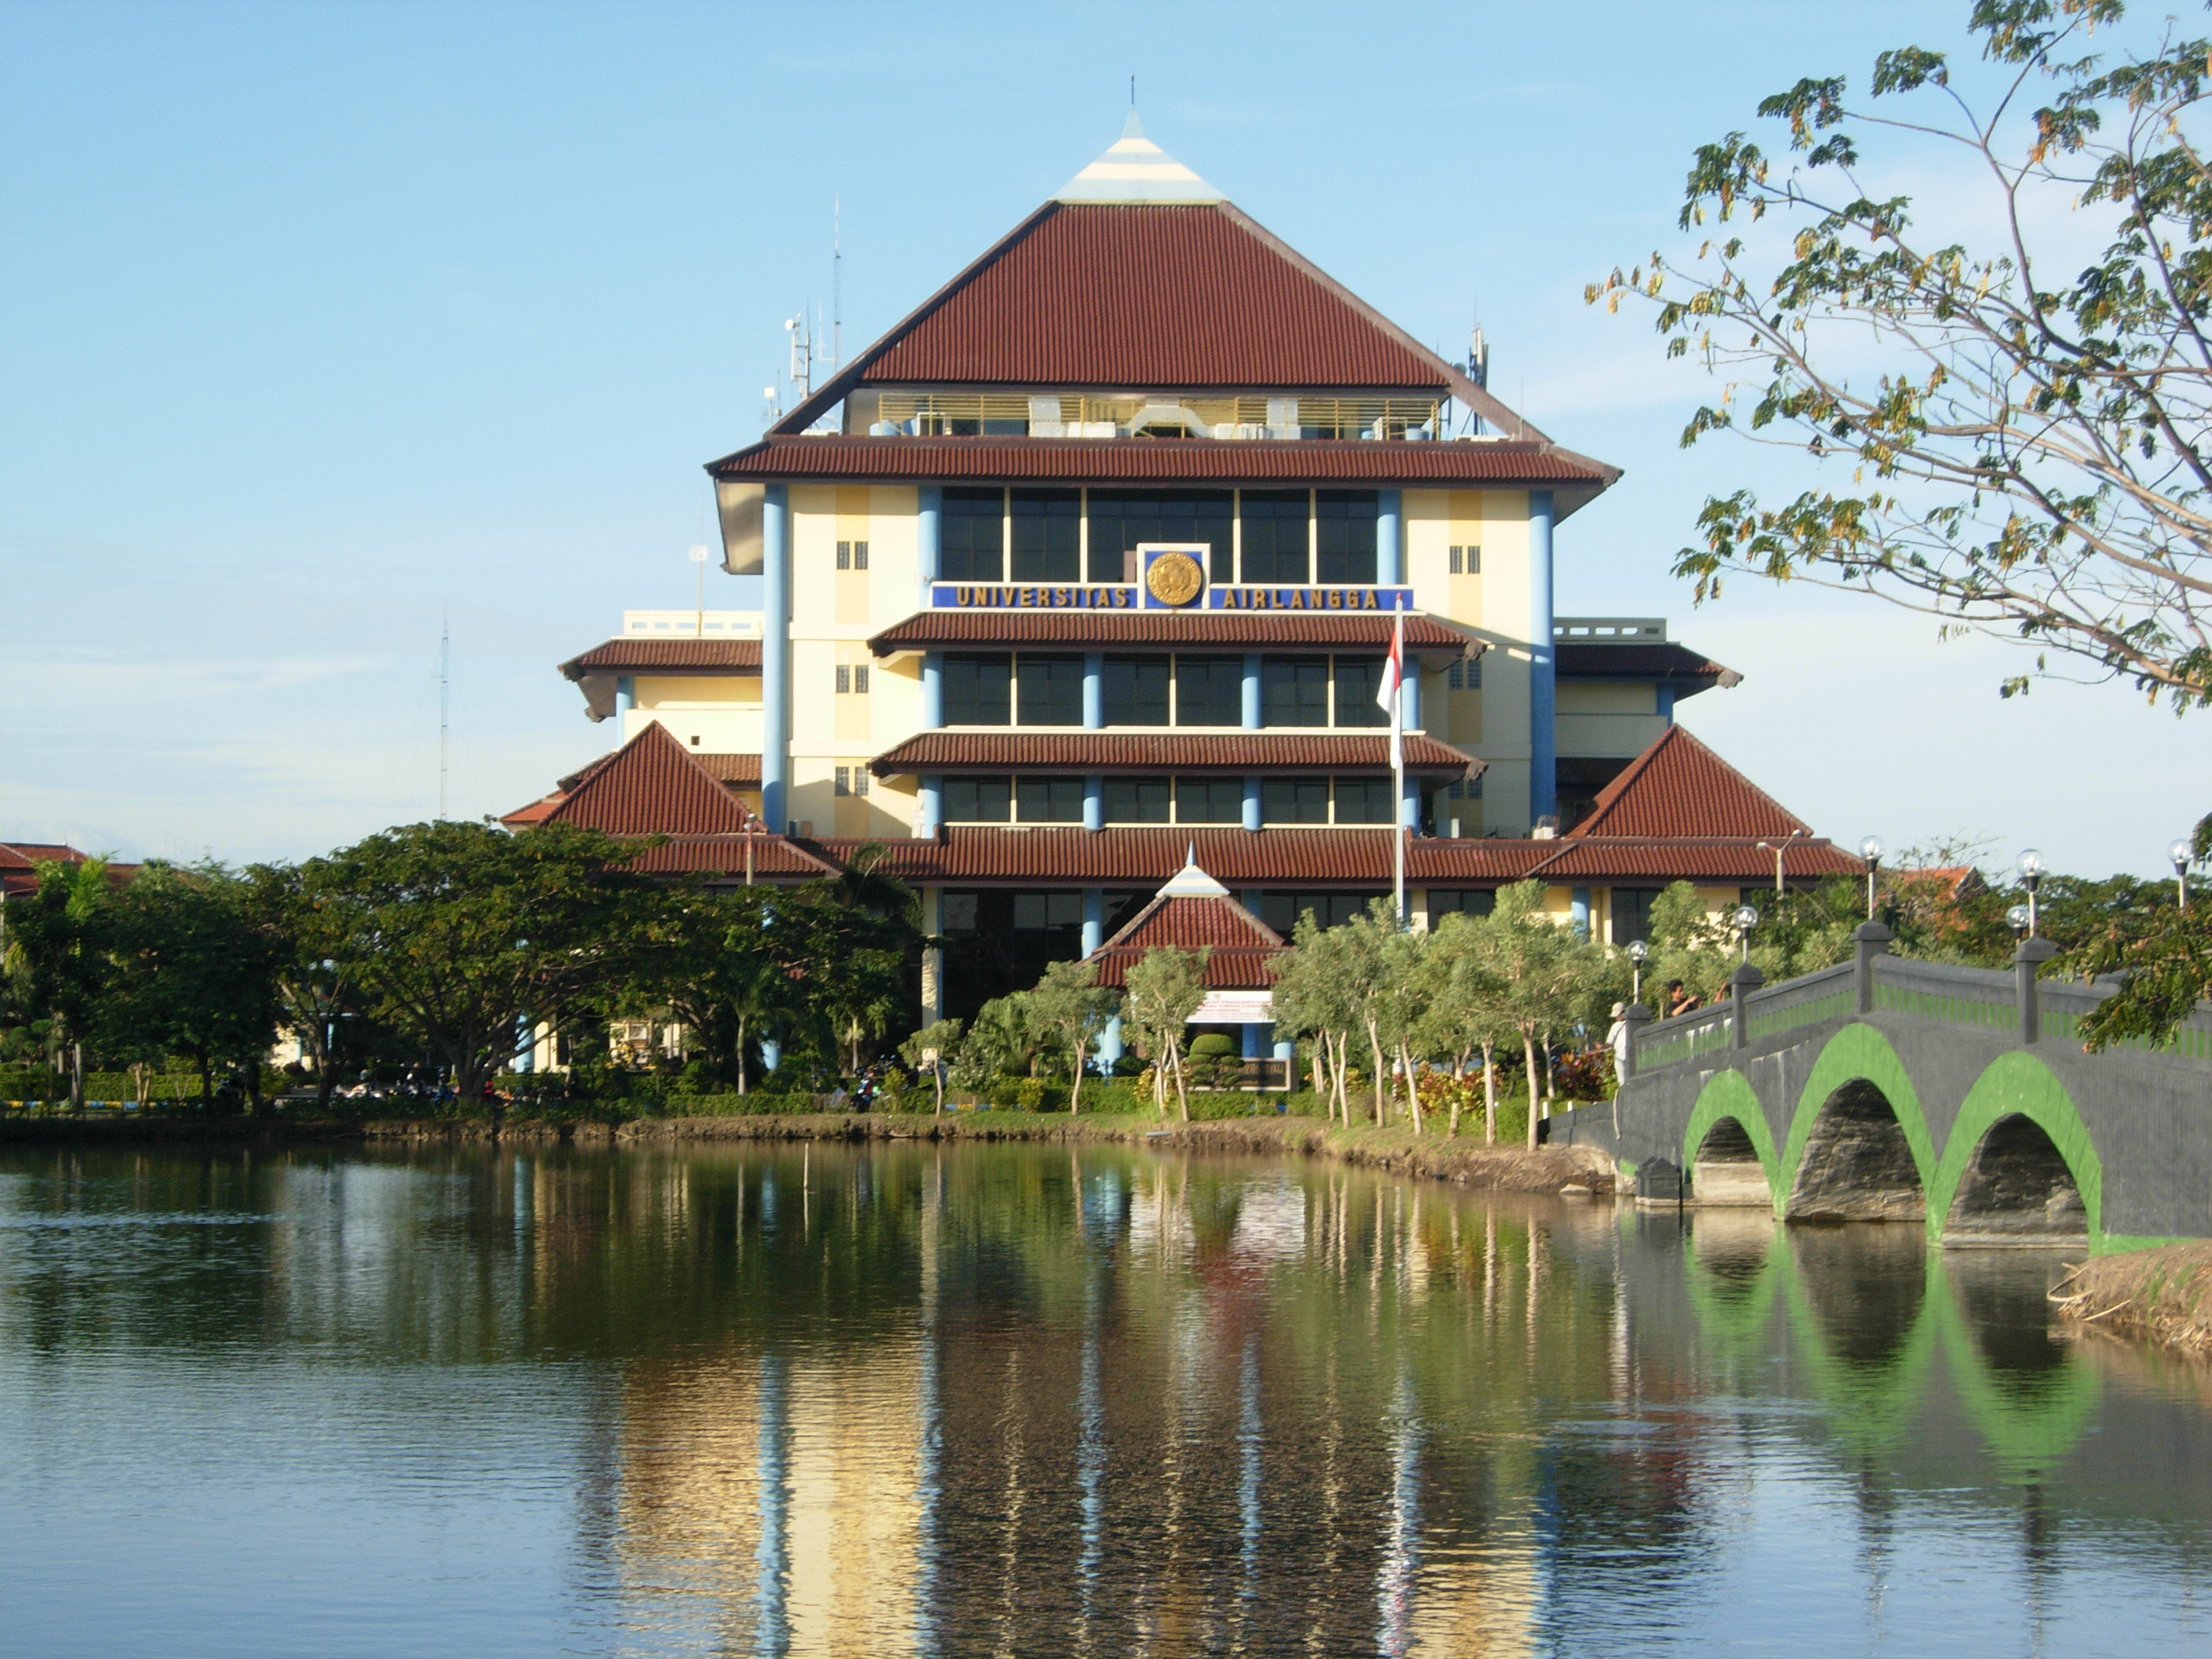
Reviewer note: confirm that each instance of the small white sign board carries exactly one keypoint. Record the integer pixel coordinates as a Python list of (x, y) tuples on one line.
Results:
[(1236, 1008)]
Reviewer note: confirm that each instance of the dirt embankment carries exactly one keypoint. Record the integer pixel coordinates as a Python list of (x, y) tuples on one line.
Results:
[(2164, 1294)]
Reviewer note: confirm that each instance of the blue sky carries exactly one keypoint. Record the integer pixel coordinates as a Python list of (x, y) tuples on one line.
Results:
[(327, 322)]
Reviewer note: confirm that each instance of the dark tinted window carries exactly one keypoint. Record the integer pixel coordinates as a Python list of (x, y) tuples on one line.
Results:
[(978, 688), (970, 535), (1363, 801), (1357, 680), (1469, 901), (1136, 800), (1134, 690), (1274, 535), (1051, 691), (1049, 800), (1048, 530), (1034, 912), (1209, 690), (1120, 519), (978, 800), (1344, 535), (1294, 801), (1294, 691), (1631, 913), (1209, 800), (1280, 910)]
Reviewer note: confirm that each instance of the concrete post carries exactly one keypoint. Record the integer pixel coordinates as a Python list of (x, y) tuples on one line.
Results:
[(1252, 802), (1093, 801), (1094, 919), (1251, 691), (1871, 939), (2033, 954), (1635, 1017), (1742, 983), (1094, 690)]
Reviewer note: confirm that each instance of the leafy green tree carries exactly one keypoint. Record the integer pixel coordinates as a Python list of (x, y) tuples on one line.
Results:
[(1067, 1002), (930, 1049), (1544, 968), (1165, 987), (56, 959), (1311, 1001), (462, 934), (2025, 430), (1465, 965)]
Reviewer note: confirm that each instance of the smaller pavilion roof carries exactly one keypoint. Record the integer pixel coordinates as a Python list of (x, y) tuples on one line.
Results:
[(625, 656), (1678, 787), (652, 785), (1193, 912)]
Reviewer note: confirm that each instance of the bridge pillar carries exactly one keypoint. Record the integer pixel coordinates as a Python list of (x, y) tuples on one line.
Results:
[(1635, 1017), (2032, 954), (1742, 983), (1871, 940)]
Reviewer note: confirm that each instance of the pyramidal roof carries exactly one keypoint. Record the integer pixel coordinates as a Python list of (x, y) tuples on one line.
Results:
[(1193, 911), (1135, 169), (652, 785), (1678, 787)]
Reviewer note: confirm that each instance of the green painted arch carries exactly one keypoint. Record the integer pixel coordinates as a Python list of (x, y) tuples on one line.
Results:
[(1736, 1327), (1854, 1055), (2019, 1084), (1866, 1406), (2025, 1435), (1729, 1094)]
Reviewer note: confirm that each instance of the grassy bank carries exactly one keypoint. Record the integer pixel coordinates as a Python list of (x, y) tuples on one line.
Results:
[(2164, 1294)]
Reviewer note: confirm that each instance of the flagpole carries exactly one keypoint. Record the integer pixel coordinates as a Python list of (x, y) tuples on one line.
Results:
[(1397, 762)]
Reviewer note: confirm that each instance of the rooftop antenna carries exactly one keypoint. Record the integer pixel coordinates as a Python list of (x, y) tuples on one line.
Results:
[(445, 705), (802, 353), (1133, 92), (837, 281)]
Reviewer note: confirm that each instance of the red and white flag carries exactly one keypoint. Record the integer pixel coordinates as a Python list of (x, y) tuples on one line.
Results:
[(1386, 695)]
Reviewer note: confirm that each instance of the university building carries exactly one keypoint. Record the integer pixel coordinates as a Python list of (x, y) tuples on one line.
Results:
[(1089, 567)]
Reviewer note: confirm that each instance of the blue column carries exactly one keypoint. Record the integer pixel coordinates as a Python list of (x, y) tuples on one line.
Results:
[(1094, 802), (1667, 703), (929, 804), (1410, 689), (1094, 919), (771, 1053), (1543, 703), (1409, 810), (1251, 691), (1109, 1042), (928, 519), (625, 694), (1389, 540), (932, 690), (1252, 1048), (1252, 819), (1094, 690), (776, 656), (1579, 898)]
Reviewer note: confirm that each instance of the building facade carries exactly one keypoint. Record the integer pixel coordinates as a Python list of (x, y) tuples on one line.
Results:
[(1092, 563)]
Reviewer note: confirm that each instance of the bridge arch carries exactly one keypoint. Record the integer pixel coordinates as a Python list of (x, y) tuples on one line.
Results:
[(1726, 1139), (1859, 1148), (2020, 1162)]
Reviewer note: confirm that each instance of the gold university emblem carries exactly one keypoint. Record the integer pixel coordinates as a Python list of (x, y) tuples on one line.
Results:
[(1174, 578)]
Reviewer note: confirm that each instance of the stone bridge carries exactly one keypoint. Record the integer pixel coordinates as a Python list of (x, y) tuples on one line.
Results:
[(1892, 1090)]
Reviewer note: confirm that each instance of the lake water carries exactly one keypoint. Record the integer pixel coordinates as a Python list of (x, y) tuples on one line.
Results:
[(1024, 1401)]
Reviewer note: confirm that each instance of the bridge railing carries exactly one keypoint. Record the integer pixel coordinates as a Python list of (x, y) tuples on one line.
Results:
[(2061, 1005), (1987, 997)]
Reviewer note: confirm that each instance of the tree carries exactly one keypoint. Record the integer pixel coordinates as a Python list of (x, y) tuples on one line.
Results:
[(1467, 1004), (465, 934), (56, 959), (1067, 1002), (2025, 429), (1543, 967), (311, 998), (1165, 987), (714, 960), (929, 1050), (1310, 1001)]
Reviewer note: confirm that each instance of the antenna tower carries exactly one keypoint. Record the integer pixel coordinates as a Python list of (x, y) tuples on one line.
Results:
[(445, 706), (837, 281)]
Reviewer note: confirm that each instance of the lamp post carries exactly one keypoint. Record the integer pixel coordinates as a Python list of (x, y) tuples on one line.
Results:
[(1637, 949), (1871, 850), (1746, 919), (2031, 866), (2179, 855), (2016, 919)]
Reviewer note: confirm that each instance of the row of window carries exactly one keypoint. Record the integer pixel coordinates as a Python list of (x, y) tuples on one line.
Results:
[(1003, 689), (1293, 537), (1167, 800), (962, 912)]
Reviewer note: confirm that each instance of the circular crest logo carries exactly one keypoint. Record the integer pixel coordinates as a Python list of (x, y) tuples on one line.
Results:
[(1174, 578)]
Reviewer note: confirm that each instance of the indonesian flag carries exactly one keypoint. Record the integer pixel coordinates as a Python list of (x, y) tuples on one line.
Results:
[(1386, 695)]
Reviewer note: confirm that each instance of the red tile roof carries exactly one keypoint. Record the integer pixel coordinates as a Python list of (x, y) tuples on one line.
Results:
[(1475, 463), (1312, 630), (1678, 787), (1243, 947), (1172, 297), (1119, 752), (537, 812), (1599, 858), (724, 855), (651, 786), (625, 656), (1640, 662)]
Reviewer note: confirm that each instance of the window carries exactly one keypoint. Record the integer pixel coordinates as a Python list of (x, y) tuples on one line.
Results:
[(1345, 534), (1035, 912), (1471, 790), (1467, 562), (955, 912), (1631, 913), (1461, 900), (1209, 690), (1294, 801), (1049, 800), (1281, 911), (852, 555), (853, 679), (1209, 800), (1050, 690), (978, 800), (1294, 691), (851, 780), (1357, 680), (1134, 690), (978, 688), (1364, 800), (1120, 519), (1137, 800), (971, 535), (1275, 536), (1465, 676), (1047, 535)]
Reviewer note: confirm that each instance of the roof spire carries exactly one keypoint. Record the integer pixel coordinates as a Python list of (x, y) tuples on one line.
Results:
[(1135, 169), (1191, 881)]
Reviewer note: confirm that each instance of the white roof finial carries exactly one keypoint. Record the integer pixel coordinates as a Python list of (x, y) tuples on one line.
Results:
[(1191, 881), (1135, 169)]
